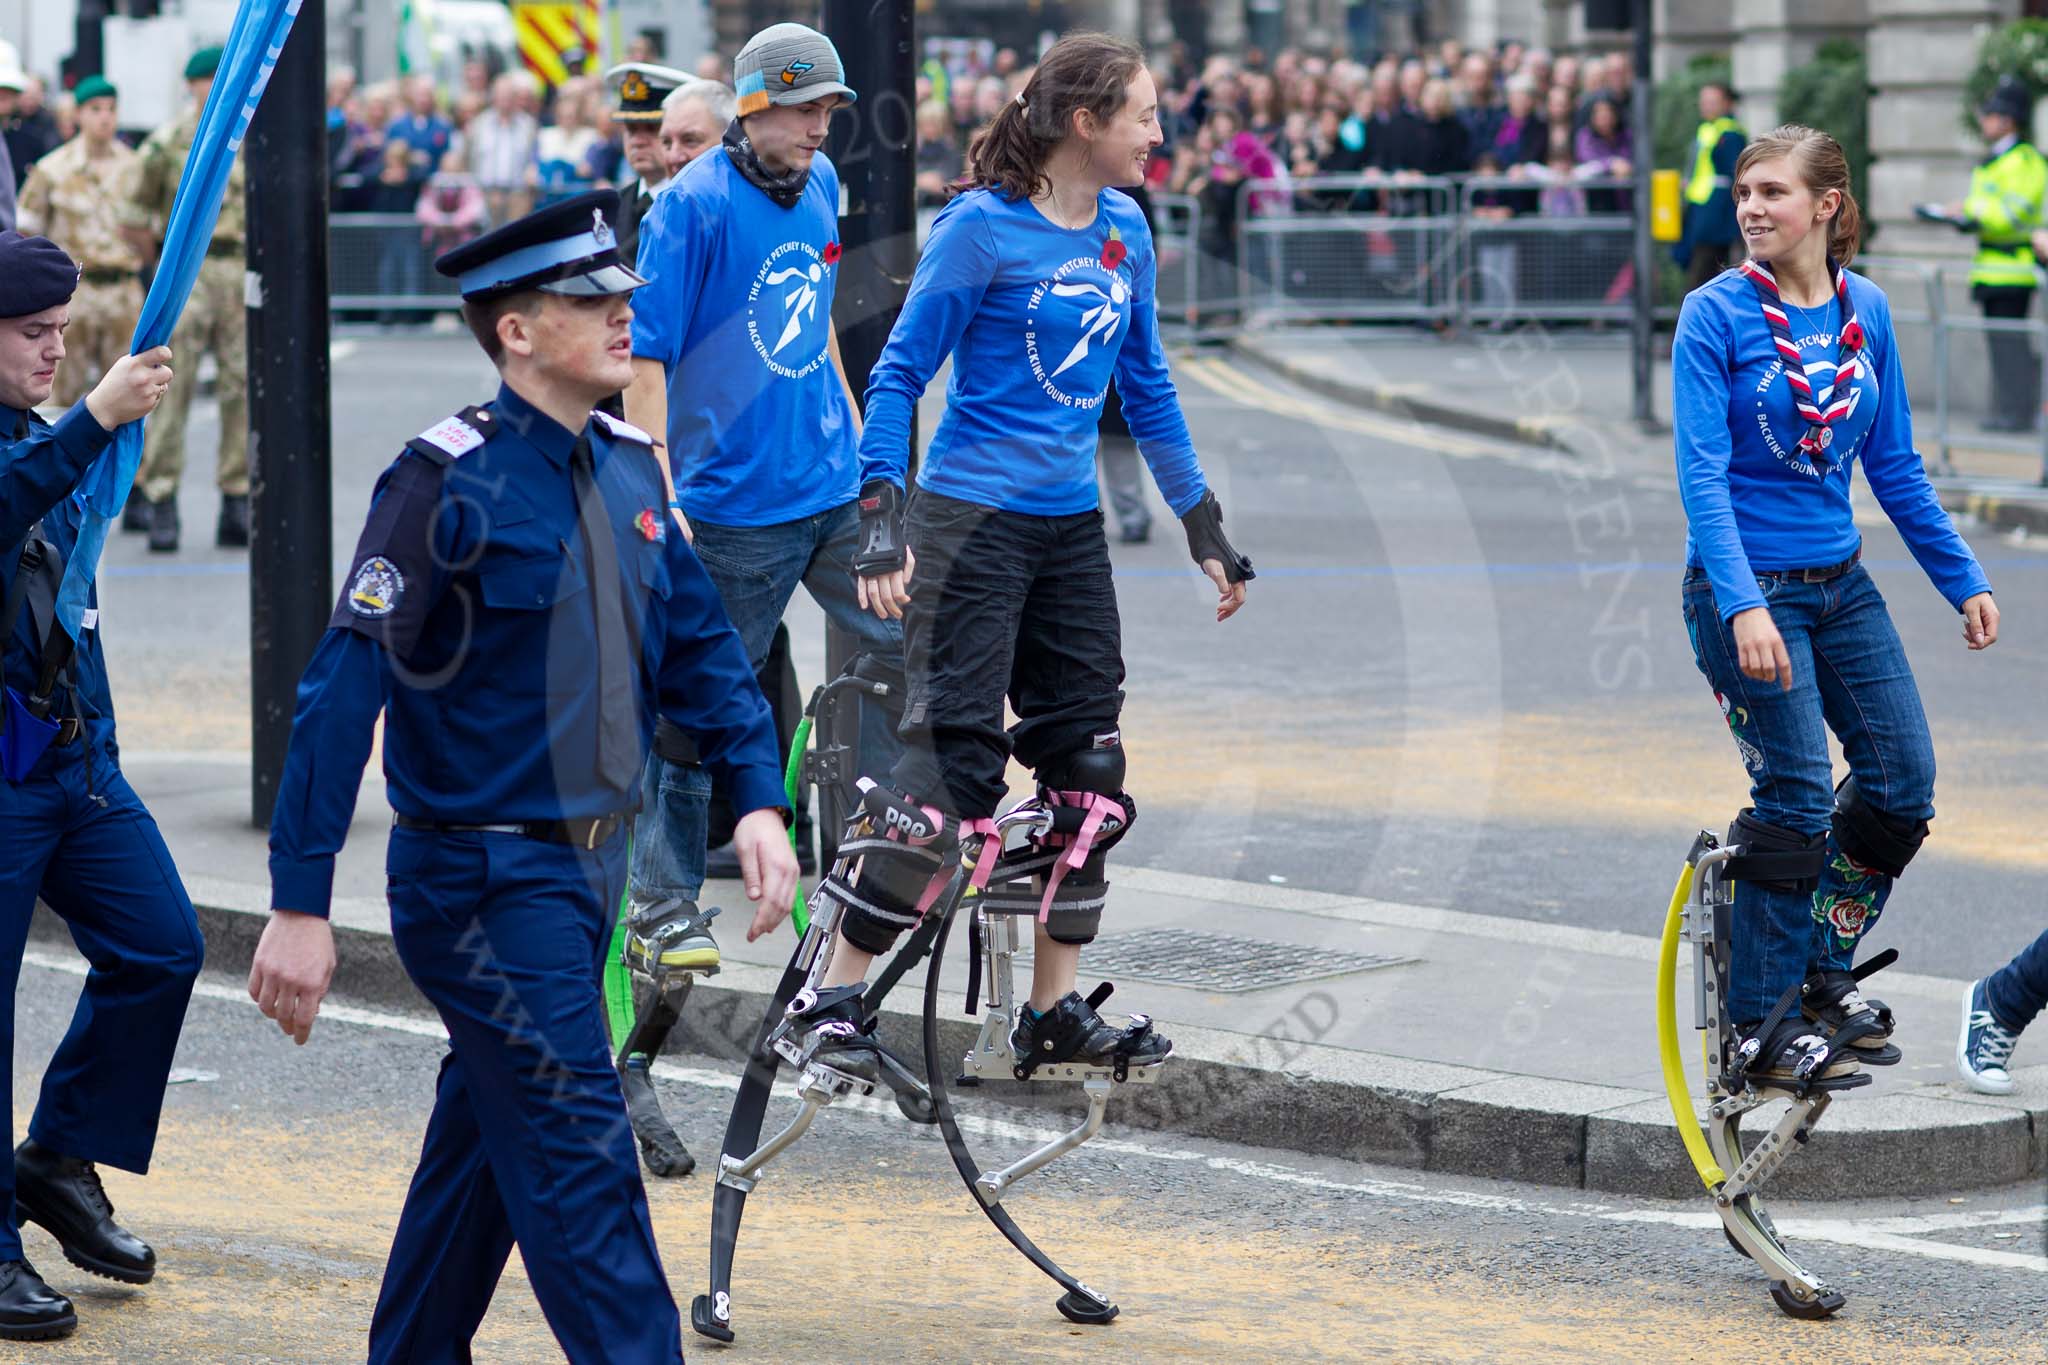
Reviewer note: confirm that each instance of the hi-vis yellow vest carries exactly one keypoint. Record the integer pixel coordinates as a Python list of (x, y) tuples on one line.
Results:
[(2005, 203), (1704, 182)]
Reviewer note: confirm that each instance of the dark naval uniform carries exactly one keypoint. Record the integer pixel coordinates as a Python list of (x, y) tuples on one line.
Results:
[(483, 616), (638, 89), (78, 836)]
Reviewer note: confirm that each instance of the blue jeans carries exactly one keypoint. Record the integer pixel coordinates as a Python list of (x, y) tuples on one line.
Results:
[(756, 570), (2018, 991), (1849, 675)]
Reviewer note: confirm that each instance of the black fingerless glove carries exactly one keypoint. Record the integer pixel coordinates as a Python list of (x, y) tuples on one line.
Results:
[(1204, 524), (881, 530)]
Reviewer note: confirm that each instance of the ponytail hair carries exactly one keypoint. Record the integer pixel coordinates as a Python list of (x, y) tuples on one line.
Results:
[(1091, 71), (1818, 161)]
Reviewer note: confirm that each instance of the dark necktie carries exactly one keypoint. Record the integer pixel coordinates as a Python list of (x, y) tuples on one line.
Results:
[(618, 746)]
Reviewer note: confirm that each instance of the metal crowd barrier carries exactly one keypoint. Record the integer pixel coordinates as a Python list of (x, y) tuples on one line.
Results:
[(1945, 345), (1556, 252), (1455, 250), (383, 262), (1346, 248), (1177, 244)]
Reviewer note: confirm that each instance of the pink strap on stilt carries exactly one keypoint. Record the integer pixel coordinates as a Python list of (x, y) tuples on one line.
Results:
[(1099, 808)]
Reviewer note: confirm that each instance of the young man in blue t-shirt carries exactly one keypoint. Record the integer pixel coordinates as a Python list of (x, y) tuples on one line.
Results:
[(735, 359)]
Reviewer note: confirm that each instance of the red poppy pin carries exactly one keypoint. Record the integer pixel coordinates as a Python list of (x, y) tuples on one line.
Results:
[(831, 253), (1113, 251), (649, 522)]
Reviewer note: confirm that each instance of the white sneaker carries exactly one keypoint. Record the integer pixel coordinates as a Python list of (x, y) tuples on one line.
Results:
[(1984, 1046)]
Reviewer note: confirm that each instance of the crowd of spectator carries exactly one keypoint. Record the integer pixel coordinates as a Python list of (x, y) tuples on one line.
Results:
[(1516, 112), (1552, 128)]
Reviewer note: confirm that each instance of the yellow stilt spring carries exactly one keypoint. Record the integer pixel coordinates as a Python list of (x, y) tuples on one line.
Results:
[(1676, 1087)]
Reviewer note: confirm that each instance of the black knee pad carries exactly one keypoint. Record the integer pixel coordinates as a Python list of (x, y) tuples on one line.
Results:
[(882, 899), (1874, 838), (1776, 857), (1098, 770)]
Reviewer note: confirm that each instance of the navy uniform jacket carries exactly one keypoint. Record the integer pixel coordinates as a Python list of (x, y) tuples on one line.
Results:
[(40, 465), (467, 619)]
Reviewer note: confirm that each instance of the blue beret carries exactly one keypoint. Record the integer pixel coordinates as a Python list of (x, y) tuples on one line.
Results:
[(34, 274)]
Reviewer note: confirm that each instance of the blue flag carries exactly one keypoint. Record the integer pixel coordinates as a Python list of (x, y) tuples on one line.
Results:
[(253, 45)]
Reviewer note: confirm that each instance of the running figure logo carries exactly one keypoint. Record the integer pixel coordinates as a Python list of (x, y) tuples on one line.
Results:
[(801, 303), (1099, 321), (789, 308)]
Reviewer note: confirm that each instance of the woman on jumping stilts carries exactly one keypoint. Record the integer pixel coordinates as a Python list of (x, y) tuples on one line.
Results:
[(1785, 372), (1038, 280)]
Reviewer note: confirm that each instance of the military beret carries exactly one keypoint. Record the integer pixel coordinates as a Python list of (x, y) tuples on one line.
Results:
[(204, 63), (565, 248), (92, 88), (34, 274)]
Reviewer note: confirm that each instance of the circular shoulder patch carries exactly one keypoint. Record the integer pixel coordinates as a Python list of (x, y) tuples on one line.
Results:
[(376, 587)]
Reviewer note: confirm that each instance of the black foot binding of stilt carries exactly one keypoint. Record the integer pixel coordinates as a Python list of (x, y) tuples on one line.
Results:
[(1085, 1309), (707, 1322)]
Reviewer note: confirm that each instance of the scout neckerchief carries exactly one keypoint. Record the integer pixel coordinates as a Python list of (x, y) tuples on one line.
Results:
[(1819, 409), (785, 189)]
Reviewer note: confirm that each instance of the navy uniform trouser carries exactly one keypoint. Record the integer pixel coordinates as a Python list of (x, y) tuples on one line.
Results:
[(88, 847), (529, 1140)]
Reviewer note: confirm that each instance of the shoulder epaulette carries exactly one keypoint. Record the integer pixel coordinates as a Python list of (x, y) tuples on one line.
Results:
[(625, 431), (456, 437)]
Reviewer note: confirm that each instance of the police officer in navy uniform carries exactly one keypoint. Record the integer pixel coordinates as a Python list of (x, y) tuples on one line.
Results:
[(76, 834), (519, 607)]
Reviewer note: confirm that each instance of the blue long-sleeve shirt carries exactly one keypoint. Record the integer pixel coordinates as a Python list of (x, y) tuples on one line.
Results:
[(467, 620), (1037, 318), (40, 465), (1753, 500)]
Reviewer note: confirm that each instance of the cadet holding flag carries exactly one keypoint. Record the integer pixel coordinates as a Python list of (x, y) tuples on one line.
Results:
[(519, 609), (77, 835)]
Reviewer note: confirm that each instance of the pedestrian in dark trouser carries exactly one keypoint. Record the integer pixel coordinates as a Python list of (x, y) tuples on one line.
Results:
[(519, 610), (76, 835), (1995, 1012)]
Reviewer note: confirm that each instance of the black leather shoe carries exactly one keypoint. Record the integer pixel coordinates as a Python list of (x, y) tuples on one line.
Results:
[(232, 531), (63, 1196), (135, 512), (163, 525), (29, 1309)]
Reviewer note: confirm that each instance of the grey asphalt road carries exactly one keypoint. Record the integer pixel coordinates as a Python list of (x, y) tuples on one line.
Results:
[(1462, 680), (280, 1171)]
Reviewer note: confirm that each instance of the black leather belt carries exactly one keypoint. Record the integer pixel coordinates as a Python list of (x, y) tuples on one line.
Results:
[(106, 274), (217, 250), (584, 833), (1832, 571)]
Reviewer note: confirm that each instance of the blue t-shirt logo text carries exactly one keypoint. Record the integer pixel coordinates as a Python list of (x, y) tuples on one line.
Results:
[(782, 308), (1092, 308)]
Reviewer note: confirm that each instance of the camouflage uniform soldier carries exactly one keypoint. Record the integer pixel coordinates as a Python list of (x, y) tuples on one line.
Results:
[(75, 196), (213, 321)]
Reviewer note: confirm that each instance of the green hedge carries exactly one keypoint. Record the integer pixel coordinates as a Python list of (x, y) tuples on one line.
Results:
[(1678, 109), (1832, 93), (2019, 49)]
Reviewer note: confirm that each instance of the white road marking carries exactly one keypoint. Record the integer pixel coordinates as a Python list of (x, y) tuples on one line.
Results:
[(1878, 1234)]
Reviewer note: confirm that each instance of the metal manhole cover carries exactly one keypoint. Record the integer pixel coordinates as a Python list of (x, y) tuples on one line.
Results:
[(1223, 962)]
